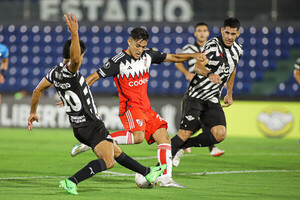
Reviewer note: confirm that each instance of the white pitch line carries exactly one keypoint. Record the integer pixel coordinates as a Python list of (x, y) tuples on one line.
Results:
[(230, 154), (110, 174)]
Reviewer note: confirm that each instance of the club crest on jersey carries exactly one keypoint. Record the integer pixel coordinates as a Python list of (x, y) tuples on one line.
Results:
[(139, 122), (190, 117)]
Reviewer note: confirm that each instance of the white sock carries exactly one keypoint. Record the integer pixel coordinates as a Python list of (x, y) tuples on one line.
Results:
[(123, 137), (164, 154)]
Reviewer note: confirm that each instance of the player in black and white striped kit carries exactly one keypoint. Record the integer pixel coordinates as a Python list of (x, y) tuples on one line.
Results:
[(201, 34), (88, 128), (203, 96)]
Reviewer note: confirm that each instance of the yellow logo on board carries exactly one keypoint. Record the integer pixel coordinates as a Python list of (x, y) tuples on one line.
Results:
[(275, 122)]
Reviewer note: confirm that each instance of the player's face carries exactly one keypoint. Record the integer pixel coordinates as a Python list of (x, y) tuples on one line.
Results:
[(201, 33), (136, 47), (229, 35)]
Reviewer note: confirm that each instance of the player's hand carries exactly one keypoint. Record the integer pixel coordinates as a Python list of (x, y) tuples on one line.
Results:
[(60, 104), (214, 78), (71, 23), (201, 57), (228, 100), (189, 76), (32, 117), (2, 79)]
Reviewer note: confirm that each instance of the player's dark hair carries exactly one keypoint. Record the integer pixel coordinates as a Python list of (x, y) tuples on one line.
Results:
[(67, 45), (201, 24), (139, 34), (232, 23)]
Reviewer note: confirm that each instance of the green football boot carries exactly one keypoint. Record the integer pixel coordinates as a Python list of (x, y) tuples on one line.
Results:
[(69, 186), (155, 172)]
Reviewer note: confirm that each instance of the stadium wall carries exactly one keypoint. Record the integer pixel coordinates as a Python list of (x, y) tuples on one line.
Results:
[(244, 118)]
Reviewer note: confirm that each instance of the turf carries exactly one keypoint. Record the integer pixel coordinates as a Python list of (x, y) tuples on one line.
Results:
[(46, 152)]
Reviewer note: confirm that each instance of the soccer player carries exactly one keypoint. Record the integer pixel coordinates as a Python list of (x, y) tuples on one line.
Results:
[(201, 33), (203, 96), (79, 105), (297, 70), (4, 63), (130, 70)]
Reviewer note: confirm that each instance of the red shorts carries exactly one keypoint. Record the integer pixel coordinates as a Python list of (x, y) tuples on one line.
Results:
[(134, 119)]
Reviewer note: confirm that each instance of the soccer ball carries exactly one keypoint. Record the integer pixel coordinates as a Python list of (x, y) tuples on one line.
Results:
[(141, 181)]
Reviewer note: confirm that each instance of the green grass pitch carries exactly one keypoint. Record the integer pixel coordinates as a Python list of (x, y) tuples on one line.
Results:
[(33, 163)]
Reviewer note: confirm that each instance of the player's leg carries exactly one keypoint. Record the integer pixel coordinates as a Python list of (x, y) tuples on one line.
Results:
[(215, 128), (164, 155), (189, 123), (127, 137), (122, 137), (134, 124), (94, 136), (104, 152), (126, 161)]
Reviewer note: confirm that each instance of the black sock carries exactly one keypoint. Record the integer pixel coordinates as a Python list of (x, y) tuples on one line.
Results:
[(202, 140), (88, 171), (211, 147), (176, 143), (130, 163)]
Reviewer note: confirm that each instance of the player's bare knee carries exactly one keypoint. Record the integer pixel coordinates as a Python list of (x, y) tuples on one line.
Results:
[(138, 136), (184, 134), (117, 150), (219, 133), (109, 162), (138, 139)]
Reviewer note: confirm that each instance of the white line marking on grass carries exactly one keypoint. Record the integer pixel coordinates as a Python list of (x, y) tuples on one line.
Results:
[(229, 154), (239, 172), (110, 174)]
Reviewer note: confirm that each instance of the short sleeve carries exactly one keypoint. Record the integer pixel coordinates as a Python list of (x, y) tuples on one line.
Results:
[(50, 75), (157, 56), (297, 64), (109, 69)]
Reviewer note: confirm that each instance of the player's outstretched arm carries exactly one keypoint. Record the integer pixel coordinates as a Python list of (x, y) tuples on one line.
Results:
[(228, 100), (188, 75), (91, 79), (181, 57), (42, 86), (201, 70), (75, 52)]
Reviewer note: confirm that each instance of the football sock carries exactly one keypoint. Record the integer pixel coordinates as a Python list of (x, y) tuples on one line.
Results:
[(123, 137), (130, 163), (211, 147), (176, 143), (88, 171), (165, 157), (202, 140)]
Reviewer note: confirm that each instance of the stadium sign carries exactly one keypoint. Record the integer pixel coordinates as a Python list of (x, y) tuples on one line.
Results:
[(15, 113), (275, 122), (118, 10)]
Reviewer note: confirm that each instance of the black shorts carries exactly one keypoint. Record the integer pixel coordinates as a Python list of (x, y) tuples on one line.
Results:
[(92, 134), (210, 114)]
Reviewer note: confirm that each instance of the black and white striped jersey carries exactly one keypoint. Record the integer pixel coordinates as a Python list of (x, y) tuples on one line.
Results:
[(192, 48), (222, 61), (75, 94), (297, 64)]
